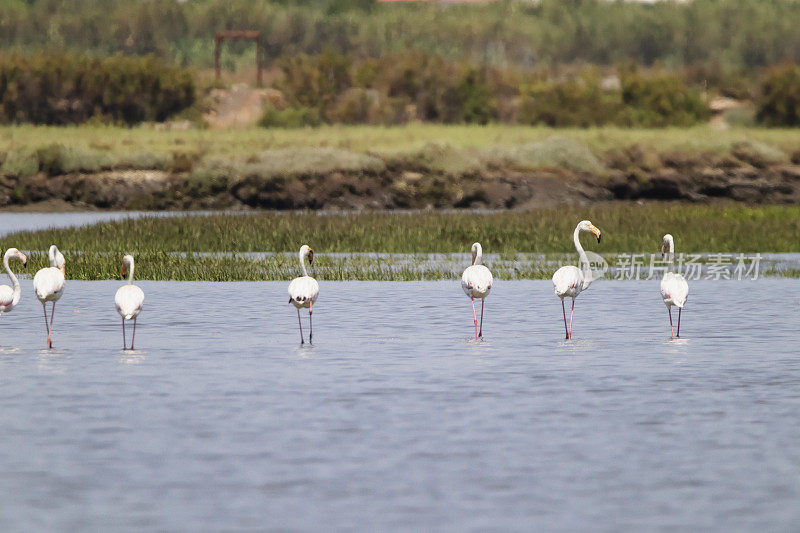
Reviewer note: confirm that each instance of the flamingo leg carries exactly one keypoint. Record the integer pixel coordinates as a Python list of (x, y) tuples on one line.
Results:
[(564, 312), (679, 321), (50, 331), (124, 342), (310, 323), (133, 337), (46, 326), (671, 331), (301, 326), (571, 313), (480, 332), (474, 317)]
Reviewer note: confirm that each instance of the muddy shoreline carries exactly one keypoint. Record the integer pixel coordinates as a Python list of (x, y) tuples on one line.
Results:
[(627, 176)]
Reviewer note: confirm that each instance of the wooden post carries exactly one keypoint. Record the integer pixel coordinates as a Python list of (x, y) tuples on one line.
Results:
[(217, 46), (258, 61), (252, 35)]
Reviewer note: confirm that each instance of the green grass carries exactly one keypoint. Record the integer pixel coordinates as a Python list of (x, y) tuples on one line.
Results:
[(94, 252), (139, 141)]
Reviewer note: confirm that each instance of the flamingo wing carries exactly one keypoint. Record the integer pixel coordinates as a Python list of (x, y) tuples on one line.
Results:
[(129, 301), (303, 291), (674, 289), (568, 281), (49, 284), (476, 281)]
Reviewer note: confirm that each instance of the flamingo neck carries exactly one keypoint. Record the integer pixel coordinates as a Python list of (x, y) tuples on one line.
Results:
[(671, 257), (51, 254), (14, 281), (303, 264), (587, 270), (476, 259), (130, 274)]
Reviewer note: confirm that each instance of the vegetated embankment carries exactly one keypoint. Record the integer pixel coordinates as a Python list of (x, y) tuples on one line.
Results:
[(552, 171)]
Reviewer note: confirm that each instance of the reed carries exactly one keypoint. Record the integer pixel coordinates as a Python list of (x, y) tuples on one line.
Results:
[(397, 246)]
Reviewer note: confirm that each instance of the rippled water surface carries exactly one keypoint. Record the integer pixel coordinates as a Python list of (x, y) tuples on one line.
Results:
[(395, 418), (14, 222)]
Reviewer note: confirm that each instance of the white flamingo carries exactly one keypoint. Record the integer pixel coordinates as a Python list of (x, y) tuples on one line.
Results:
[(303, 291), (476, 283), (49, 286), (571, 280), (129, 300), (674, 289), (9, 297)]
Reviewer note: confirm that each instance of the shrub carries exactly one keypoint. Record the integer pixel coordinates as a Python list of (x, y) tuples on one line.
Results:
[(469, 100), (778, 103), (660, 99), (291, 117), (577, 101), (68, 89)]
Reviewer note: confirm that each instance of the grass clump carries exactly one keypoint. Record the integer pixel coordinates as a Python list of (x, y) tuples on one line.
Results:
[(626, 228), (218, 173), (291, 117), (397, 247), (553, 152)]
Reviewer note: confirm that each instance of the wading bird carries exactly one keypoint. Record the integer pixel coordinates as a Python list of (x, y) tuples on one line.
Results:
[(674, 289), (570, 281), (303, 291), (476, 283), (10, 297), (129, 300), (49, 286)]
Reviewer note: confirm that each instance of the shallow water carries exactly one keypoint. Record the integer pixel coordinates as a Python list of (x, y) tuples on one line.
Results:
[(395, 418), (14, 222)]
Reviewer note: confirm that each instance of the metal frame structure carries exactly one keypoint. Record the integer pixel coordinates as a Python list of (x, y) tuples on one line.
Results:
[(252, 35)]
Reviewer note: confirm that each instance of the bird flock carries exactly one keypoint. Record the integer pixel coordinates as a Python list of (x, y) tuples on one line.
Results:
[(568, 282)]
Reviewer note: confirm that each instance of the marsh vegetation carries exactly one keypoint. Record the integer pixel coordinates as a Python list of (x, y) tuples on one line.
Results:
[(524, 245)]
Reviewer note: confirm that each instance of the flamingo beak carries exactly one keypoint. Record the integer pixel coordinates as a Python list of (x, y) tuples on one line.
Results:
[(596, 232), (24, 260), (663, 249), (63, 270), (310, 257)]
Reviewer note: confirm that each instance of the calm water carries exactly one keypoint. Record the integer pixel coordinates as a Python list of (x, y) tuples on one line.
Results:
[(395, 419), (14, 222)]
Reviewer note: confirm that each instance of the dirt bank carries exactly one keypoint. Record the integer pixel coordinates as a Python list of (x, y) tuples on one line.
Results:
[(632, 174)]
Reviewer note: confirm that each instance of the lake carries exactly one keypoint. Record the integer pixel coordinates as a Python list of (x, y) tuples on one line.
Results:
[(396, 419)]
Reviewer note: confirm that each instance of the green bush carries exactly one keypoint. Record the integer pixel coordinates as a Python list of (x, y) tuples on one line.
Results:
[(660, 99), (69, 89), (577, 101), (778, 103), (291, 117)]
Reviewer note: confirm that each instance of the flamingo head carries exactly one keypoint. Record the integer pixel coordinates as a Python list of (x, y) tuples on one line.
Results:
[(127, 262), (57, 259), (13, 252), (306, 251), (585, 225), (666, 243), (477, 251)]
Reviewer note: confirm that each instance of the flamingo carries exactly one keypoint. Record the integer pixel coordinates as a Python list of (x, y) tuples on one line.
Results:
[(129, 300), (303, 291), (570, 280), (476, 283), (674, 289), (9, 297), (49, 286)]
